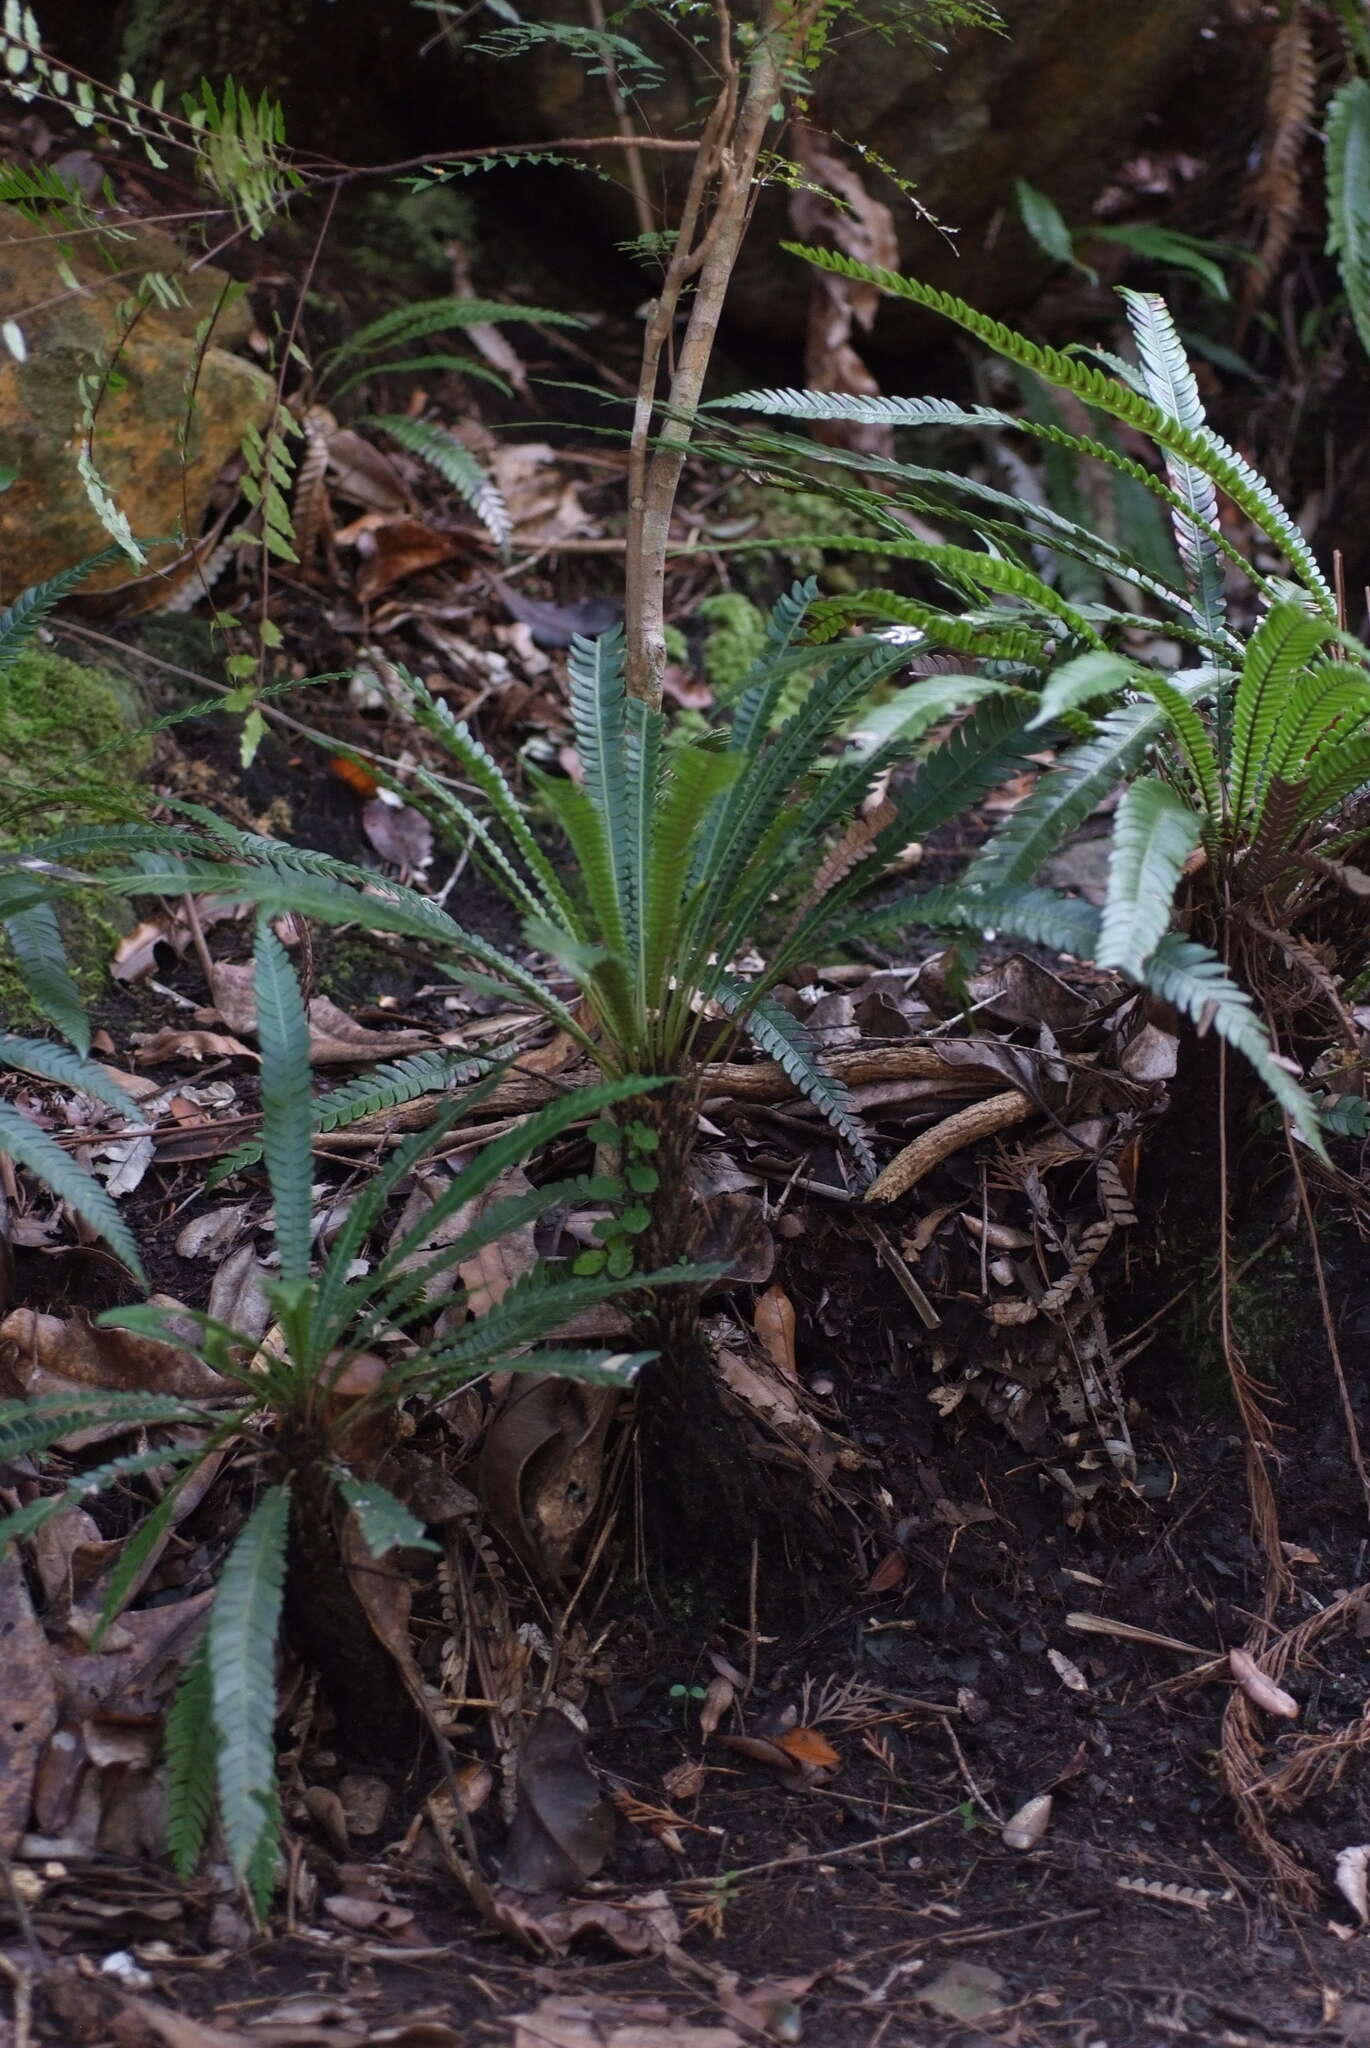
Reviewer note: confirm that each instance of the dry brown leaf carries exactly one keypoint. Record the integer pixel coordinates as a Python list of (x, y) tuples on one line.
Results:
[(541, 1466), (47, 1354), (860, 226), (1260, 1690), (1069, 1674), (773, 1319), (363, 475), (335, 1039), (646, 1925), (155, 1048), (563, 1826), (595, 2023), (392, 549), (809, 1748), (891, 1571), (684, 1780), (493, 1271)]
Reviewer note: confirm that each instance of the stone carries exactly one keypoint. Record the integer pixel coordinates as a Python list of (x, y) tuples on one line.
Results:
[(47, 522), (1057, 97)]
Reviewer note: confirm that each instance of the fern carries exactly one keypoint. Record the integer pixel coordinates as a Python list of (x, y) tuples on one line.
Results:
[(287, 1111), (36, 937), (21, 620), (1154, 833), (783, 1038), (384, 1522), (242, 1670), (1194, 980), (191, 1748), (55, 1063), (1065, 796), (1170, 383), (40, 1421), (455, 464), (1348, 196), (410, 323), (1200, 446), (1282, 646), (30, 1146)]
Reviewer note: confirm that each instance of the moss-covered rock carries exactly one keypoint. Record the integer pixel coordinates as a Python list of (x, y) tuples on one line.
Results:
[(70, 749)]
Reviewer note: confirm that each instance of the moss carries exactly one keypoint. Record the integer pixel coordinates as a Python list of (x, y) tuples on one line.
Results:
[(790, 516), (737, 638), (57, 718)]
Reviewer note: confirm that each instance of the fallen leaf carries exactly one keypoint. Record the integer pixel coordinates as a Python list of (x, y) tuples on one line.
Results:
[(362, 474), (28, 1701), (563, 1826), (684, 1780), (541, 1466), (335, 1039), (646, 1925), (394, 548), (1260, 1690), (809, 1748), (891, 1571), (965, 1991), (367, 1916), (400, 834), (1353, 1866), (210, 1235), (715, 1704), (832, 204), (1069, 1674), (1025, 1829), (155, 1048), (773, 1319), (48, 1354), (582, 2023)]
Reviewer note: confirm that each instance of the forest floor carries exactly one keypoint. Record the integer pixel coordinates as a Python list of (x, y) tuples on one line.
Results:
[(828, 1864)]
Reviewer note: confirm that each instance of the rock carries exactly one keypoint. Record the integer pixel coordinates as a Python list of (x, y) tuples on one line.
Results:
[(47, 522), (1058, 97)]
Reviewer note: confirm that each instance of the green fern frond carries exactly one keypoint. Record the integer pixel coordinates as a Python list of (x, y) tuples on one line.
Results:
[(1341, 771), (764, 681), (406, 366), (287, 1102), (191, 1747), (20, 620), (242, 1632), (1329, 703), (988, 641), (407, 324), (599, 716), (1066, 795), (36, 937), (695, 788), (1040, 916), (56, 1063), (455, 464), (39, 1422), (36, 1149), (1347, 131), (783, 1038), (1082, 681), (385, 1523), (1194, 980), (1197, 752), (1286, 640), (87, 1485), (1171, 385), (1154, 833), (1227, 469)]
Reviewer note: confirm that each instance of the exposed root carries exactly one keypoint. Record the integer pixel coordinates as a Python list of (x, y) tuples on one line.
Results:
[(977, 1120)]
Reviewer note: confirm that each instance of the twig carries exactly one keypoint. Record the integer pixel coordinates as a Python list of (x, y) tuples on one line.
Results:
[(916, 1827)]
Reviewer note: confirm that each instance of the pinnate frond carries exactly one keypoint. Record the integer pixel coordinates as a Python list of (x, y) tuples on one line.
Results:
[(1154, 833), (242, 1633), (30, 1146)]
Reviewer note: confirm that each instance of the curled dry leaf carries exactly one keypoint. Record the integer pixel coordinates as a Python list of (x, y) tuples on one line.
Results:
[(773, 1320), (335, 1039), (891, 1571), (209, 1236), (400, 834), (155, 1048), (47, 1355), (684, 1780), (563, 1826), (1353, 1880), (541, 1466), (1025, 1829), (1260, 1690), (715, 1705)]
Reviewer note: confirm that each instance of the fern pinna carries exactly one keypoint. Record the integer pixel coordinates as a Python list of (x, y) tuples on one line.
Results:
[(1234, 759)]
